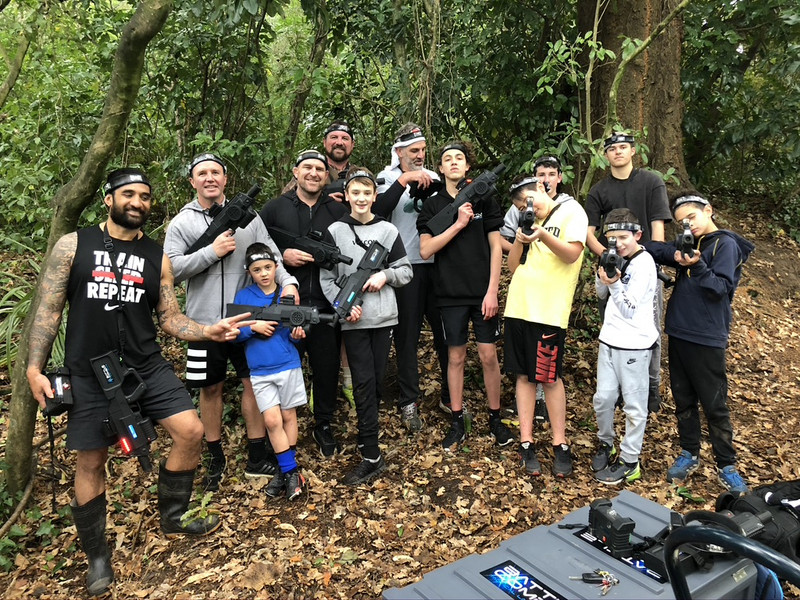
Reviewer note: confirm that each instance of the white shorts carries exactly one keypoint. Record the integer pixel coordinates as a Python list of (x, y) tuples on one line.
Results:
[(285, 389)]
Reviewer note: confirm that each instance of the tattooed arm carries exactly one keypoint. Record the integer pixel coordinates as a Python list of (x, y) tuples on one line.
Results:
[(53, 297), (174, 322)]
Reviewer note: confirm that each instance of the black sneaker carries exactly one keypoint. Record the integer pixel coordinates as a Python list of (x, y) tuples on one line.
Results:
[(529, 460), (328, 445), (295, 484), (500, 433), (214, 474), (562, 460), (265, 468), (364, 471), (456, 435), (604, 457), (276, 486)]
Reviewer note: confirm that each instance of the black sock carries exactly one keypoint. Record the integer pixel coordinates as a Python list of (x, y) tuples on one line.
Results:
[(494, 414), (257, 449), (215, 449), (458, 417)]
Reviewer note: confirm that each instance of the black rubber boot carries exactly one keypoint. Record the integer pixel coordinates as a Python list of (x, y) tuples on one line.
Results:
[(174, 492), (90, 521)]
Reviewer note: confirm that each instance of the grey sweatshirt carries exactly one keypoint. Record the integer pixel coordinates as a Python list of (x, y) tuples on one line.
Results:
[(379, 309), (211, 282)]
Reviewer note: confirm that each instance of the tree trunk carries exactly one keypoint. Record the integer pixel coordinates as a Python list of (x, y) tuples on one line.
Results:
[(70, 201), (318, 48), (649, 96)]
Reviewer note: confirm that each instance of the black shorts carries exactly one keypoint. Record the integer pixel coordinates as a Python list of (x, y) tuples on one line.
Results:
[(165, 396), (207, 363), (455, 323), (534, 350)]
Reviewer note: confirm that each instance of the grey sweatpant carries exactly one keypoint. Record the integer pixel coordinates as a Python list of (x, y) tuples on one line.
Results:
[(626, 370)]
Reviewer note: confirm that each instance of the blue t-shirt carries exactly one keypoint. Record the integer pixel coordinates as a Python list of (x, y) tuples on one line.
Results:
[(266, 355)]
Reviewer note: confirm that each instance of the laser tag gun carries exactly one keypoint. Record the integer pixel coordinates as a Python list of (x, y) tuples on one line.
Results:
[(352, 293), (135, 432), (236, 214), (685, 240), (609, 527), (610, 261), (326, 255), (528, 218), (285, 312), (480, 188)]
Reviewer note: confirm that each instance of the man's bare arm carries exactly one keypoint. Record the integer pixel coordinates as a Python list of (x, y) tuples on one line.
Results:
[(170, 317), (175, 323), (53, 294)]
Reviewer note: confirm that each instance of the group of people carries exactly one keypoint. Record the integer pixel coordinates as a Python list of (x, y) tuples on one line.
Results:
[(114, 278)]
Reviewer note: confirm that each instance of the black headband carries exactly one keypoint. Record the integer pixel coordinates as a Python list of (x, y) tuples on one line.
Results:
[(411, 135), (618, 138), (623, 227), (360, 174), (453, 146), (544, 160), (204, 157), (527, 181), (256, 256), (311, 155), (689, 199), (338, 127), (125, 179)]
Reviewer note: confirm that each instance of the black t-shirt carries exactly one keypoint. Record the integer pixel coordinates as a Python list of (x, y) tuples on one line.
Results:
[(643, 192), (92, 327), (462, 268), (291, 214)]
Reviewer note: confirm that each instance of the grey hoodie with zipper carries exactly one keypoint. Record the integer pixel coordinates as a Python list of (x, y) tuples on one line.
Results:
[(211, 282)]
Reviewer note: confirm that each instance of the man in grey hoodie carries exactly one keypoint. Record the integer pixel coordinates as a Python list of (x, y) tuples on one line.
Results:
[(213, 275)]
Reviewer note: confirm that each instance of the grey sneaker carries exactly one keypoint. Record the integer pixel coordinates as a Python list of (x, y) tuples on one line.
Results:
[(604, 457), (410, 417), (562, 460), (530, 462), (295, 484), (684, 465)]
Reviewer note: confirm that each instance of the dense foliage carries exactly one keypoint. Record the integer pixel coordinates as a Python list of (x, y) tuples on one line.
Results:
[(258, 80)]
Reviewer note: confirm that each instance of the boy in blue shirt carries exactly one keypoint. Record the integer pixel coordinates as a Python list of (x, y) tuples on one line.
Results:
[(275, 370), (698, 322)]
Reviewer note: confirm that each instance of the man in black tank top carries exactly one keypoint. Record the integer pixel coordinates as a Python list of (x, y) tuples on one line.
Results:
[(79, 271)]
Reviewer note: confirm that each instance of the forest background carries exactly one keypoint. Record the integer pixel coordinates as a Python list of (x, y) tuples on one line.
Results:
[(714, 99)]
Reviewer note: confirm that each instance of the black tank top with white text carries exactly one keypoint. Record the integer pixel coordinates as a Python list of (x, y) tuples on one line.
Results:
[(92, 327)]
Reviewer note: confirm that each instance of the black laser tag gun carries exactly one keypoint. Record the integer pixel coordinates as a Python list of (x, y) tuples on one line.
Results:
[(528, 218), (610, 260), (685, 240), (236, 214), (326, 255), (135, 432), (608, 526), (285, 312), (351, 293), (480, 188)]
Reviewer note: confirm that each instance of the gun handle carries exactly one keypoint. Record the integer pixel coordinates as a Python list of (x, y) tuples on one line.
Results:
[(147, 464)]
